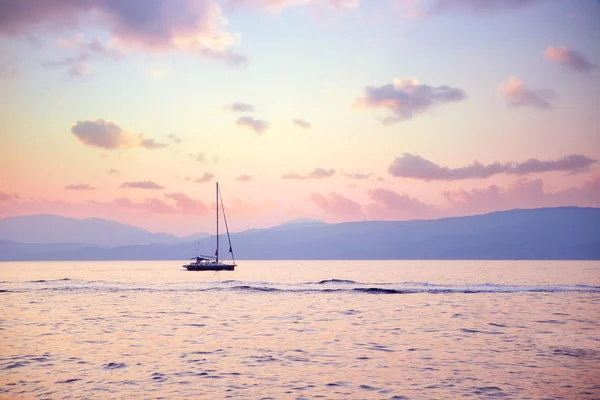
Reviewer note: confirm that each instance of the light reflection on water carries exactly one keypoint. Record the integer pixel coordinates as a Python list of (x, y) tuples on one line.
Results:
[(522, 329)]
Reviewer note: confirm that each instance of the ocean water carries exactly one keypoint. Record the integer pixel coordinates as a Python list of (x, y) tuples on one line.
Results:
[(301, 330)]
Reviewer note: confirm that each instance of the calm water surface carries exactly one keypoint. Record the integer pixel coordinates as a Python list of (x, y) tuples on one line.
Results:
[(301, 329)]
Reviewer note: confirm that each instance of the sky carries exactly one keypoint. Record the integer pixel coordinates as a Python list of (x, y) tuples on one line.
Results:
[(338, 110)]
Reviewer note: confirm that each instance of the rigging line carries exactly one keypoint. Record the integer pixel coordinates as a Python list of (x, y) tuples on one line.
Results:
[(226, 227)]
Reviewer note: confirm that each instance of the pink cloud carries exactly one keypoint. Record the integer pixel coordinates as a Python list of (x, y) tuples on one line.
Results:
[(571, 59), (142, 185), (186, 205), (388, 204), (244, 178), (358, 176), (152, 206), (109, 135), (6, 197), (207, 177), (239, 107), (83, 186), (258, 126), (522, 193), (193, 26), (416, 167), (406, 98), (300, 123), (338, 206), (280, 5), (518, 95), (317, 173)]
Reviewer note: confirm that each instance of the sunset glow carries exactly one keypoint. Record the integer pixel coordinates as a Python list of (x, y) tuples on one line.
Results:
[(337, 110)]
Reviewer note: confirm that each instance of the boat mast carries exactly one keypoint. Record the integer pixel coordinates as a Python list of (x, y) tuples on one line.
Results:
[(217, 207), (227, 228)]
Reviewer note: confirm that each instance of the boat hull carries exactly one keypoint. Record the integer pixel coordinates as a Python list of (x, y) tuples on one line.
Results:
[(209, 267)]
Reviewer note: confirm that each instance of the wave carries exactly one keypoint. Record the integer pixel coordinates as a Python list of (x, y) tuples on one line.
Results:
[(323, 286)]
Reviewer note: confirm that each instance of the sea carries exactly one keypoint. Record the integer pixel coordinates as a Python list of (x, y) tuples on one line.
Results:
[(300, 330)]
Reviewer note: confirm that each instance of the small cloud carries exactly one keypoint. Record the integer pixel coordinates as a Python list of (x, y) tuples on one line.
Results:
[(277, 6), (338, 206), (518, 95), (358, 176), (239, 107), (174, 138), (142, 185), (256, 125), (244, 178), (203, 158), (422, 9), (152, 144), (113, 171), (76, 66), (109, 135), (390, 204), (83, 186), (187, 205), (79, 64), (416, 167), (207, 177), (570, 59), (6, 197), (406, 98), (300, 123), (318, 173)]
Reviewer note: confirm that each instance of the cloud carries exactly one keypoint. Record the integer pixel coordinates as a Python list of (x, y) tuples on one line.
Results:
[(317, 173), (6, 197), (79, 64), (83, 186), (300, 123), (186, 204), (152, 144), (518, 95), (338, 206), (279, 5), (203, 158), (390, 204), (192, 26), (416, 167), (256, 125), (113, 171), (406, 98), (109, 135), (570, 59), (207, 177), (76, 66), (240, 107), (141, 185), (244, 178), (522, 193), (573, 163), (421, 8), (174, 138), (358, 176), (153, 206)]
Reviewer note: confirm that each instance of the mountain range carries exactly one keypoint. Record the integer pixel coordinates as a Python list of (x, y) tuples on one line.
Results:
[(543, 233)]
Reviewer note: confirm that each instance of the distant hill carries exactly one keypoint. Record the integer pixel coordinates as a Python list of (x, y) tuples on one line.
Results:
[(90, 231), (545, 233)]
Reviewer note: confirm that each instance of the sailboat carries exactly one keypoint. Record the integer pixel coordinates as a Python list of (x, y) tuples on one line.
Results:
[(211, 263)]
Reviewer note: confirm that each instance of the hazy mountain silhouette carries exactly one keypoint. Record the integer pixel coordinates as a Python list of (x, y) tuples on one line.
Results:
[(91, 231), (545, 233)]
